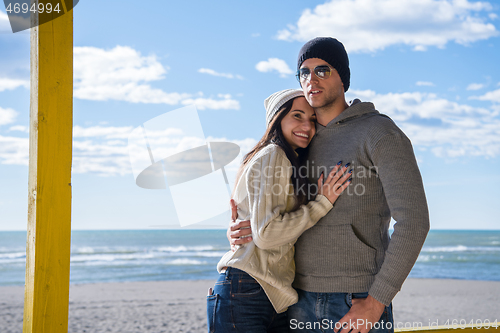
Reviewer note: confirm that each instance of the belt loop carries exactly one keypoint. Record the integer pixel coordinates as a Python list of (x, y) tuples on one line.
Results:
[(227, 273), (349, 299)]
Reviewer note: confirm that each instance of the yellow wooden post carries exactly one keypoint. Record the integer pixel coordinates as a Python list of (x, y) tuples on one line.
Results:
[(49, 199)]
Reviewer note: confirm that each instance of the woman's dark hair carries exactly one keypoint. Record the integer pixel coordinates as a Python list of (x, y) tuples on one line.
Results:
[(274, 134)]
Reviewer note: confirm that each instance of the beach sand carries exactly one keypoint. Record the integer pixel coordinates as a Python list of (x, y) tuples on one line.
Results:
[(179, 306)]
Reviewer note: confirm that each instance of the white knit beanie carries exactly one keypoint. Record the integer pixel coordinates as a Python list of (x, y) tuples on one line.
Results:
[(274, 102)]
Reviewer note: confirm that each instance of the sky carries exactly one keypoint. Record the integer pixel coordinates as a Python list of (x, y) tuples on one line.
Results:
[(432, 66)]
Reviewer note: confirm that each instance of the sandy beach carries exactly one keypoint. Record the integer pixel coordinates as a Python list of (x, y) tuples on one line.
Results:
[(179, 306)]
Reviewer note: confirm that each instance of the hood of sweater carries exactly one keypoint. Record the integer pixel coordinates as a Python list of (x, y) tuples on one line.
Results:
[(355, 110)]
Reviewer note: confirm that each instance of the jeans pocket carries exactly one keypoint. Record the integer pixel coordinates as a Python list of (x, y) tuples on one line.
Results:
[(351, 296), (247, 288), (389, 319), (360, 295), (212, 301)]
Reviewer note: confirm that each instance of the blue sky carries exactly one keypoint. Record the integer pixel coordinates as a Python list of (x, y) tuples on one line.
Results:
[(432, 66)]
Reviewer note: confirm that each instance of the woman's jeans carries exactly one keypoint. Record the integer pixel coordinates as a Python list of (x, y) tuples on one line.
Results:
[(239, 304), (319, 312)]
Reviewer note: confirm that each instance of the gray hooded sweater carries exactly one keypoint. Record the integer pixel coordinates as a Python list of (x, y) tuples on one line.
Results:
[(350, 250)]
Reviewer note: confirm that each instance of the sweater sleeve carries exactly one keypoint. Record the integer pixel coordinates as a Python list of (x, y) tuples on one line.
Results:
[(268, 185), (404, 191)]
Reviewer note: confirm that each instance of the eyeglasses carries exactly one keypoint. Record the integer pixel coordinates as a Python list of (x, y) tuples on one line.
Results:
[(322, 72)]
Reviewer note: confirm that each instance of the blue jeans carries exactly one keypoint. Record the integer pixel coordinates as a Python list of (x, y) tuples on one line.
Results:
[(239, 304), (318, 312)]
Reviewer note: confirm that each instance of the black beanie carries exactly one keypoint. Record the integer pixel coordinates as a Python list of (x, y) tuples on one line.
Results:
[(330, 50)]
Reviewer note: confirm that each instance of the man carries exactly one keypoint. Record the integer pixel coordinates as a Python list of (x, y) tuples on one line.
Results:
[(348, 268)]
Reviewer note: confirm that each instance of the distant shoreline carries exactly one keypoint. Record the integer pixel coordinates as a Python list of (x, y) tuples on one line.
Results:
[(202, 280)]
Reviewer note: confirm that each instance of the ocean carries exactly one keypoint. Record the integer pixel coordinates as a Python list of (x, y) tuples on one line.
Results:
[(149, 255)]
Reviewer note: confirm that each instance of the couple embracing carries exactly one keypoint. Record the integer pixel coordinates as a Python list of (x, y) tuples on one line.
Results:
[(311, 250)]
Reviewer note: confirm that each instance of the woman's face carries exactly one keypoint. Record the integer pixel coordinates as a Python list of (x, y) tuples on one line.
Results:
[(299, 125)]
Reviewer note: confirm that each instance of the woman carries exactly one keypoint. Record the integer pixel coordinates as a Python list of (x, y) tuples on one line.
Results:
[(254, 288)]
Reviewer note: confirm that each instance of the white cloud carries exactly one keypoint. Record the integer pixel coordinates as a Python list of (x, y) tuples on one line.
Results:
[(101, 131), (424, 83), (122, 73), (367, 26), (492, 96), (119, 74), (103, 150), (446, 128), (225, 103), (14, 150), (420, 48), (110, 157), (274, 64), (4, 22), (214, 73), (11, 84), (404, 106), (102, 157), (467, 138), (18, 21), (475, 86), (19, 128), (7, 116)]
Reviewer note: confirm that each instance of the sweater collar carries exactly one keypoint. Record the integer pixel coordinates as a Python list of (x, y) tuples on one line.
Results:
[(356, 109)]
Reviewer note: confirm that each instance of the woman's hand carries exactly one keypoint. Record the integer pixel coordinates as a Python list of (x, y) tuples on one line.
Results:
[(337, 181), (240, 232)]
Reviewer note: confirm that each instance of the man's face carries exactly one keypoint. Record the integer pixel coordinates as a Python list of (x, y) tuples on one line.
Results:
[(321, 93)]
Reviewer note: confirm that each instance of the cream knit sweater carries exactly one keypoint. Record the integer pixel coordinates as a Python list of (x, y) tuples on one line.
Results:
[(264, 195)]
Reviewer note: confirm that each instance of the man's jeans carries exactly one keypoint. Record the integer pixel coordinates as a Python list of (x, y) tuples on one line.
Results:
[(319, 312), (239, 304)]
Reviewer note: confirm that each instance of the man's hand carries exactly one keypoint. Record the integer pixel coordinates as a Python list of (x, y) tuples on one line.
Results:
[(235, 233), (363, 311)]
